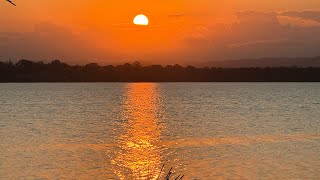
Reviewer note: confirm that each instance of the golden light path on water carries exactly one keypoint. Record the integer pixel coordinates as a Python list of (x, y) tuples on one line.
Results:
[(139, 150)]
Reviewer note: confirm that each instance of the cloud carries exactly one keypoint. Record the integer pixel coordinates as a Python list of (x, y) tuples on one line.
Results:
[(307, 15), (255, 35), (176, 15), (261, 34), (262, 42), (48, 41)]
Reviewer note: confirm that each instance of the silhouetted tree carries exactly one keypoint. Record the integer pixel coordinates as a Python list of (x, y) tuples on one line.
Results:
[(136, 65), (57, 71)]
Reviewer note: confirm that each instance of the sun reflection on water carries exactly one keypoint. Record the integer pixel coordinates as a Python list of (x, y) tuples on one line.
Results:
[(139, 150)]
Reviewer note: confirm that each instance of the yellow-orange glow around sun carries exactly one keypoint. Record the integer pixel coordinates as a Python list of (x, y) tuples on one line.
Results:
[(141, 20)]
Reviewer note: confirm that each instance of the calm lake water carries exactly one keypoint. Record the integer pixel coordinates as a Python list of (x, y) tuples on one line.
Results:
[(129, 130)]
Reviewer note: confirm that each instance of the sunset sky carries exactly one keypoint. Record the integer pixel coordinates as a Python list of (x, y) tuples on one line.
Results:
[(179, 31)]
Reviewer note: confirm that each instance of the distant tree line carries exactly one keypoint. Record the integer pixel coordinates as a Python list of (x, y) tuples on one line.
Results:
[(56, 71)]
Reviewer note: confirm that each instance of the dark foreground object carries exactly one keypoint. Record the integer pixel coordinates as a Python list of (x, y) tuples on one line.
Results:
[(56, 71)]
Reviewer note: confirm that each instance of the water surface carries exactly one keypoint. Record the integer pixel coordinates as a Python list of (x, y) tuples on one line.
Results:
[(129, 130)]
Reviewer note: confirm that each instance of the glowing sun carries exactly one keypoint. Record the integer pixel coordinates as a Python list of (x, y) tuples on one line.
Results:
[(141, 20)]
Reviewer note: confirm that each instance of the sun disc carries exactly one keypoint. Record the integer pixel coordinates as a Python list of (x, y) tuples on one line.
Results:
[(141, 20)]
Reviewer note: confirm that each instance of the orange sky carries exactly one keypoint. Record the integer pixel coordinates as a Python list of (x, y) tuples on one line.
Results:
[(106, 26)]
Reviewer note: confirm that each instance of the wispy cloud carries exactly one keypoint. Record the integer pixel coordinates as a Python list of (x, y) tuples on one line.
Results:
[(176, 15), (309, 15)]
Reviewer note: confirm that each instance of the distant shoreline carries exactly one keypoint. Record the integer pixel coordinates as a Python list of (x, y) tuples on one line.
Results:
[(26, 71)]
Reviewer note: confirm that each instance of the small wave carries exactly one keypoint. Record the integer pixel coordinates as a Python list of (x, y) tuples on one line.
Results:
[(241, 140)]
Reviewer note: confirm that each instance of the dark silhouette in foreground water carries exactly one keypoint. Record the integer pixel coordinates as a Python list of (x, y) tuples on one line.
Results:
[(56, 71)]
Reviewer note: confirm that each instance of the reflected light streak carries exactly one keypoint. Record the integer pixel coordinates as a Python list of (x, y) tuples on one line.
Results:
[(139, 149)]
